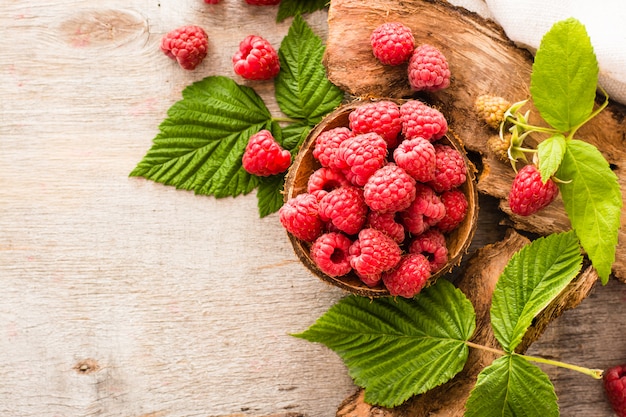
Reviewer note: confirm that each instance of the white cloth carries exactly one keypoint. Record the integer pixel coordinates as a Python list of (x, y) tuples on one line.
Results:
[(525, 23)]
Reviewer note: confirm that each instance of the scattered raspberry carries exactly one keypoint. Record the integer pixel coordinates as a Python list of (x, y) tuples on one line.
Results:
[(264, 156), (386, 223), (456, 205), (299, 215), (389, 189), (408, 279), (425, 211), (491, 109), (428, 69), (392, 43), (324, 180), (417, 158), (614, 380), (345, 208), (263, 2), (188, 45), (373, 253), (256, 59), (431, 244), (528, 193), (421, 120), (326, 146), (382, 117), (362, 155), (450, 169), (330, 252)]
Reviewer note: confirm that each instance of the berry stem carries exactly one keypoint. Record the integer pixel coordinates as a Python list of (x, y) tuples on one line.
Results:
[(594, 373), (485, 348)]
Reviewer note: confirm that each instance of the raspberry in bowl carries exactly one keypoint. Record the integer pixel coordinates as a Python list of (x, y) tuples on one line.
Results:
[(381, 198)]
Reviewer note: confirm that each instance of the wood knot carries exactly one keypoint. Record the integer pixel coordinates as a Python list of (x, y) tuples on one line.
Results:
[(97, 28), (87, 366)]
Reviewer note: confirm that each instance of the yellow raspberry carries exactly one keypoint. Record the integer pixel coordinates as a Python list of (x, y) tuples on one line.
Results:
[(491, 109)]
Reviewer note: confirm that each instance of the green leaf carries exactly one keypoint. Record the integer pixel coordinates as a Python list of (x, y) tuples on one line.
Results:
[(201, 142), (396, 348), (533, 277), (512, 387), (294, 135), (551, 153), (302, 89), (593, 202), (565, 75), (289, 8), (270, 195)]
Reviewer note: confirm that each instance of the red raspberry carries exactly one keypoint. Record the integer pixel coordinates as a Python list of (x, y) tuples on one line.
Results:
[(450, 169), (362, 155), (382, 117), (299, 215), (428, 69), (614, 380), (528, 193), (425, 211), (408, 279), (264, 156), (256, 59), (188, 45), (456, 210), (392, 43), (324, 180), (386, 222), (431, 244), (263, 2), (345, 208), (369, 280), (417, 158), (326, 146), (373, 253), (330, 252), (212, 1), (421, 120), (389, 189)]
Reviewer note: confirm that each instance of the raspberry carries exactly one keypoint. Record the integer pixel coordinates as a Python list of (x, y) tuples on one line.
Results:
[(386, 222), (392, 43), (425, 211), (326, 146), (324, 180), (431, 244), (330, 253), (299, 215), (428, 69), (389, 189), (264, 156), (382, 117), (456, 204), (408, 279), (450, 169), (263, 2), (500, 147), (373, 253), (614, 381), (417, 158), (528, 193), (491, 109), (188, 45), (362, 155), (345, 208), (421, 120), (212, 1), (256, 59)]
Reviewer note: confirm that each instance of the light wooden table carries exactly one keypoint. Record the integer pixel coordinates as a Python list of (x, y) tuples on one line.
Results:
[(122, 297)]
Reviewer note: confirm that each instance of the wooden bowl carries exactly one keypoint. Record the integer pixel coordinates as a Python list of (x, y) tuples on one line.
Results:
[(305, 164)]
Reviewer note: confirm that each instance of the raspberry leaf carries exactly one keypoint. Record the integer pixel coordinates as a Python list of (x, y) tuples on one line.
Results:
[(550, 153), (397, 348), (533, 277), (289, 8), (564, 75), (511, 386), (270, 194), (302, 90), (593, 202), (294, 135), (201, 142)]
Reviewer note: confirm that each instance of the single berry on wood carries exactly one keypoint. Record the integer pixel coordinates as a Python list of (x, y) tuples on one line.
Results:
[(392, 43), (528, 193), (188, 45), (614, 381), (428, 69)]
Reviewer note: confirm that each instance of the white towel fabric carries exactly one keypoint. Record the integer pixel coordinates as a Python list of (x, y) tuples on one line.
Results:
[(525, 23)]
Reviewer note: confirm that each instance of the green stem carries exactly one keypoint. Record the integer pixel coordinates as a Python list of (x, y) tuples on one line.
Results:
[(594, 373), (532, 128)]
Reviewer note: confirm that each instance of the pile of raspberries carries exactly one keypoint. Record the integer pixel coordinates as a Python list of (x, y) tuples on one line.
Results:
[(385, 196)]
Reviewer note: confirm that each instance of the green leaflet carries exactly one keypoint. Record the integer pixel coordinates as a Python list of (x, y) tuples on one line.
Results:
[(565, 75), (289, 8), (397, 348), (551, 153), (533, 277), (593, 202), (512, 387)]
